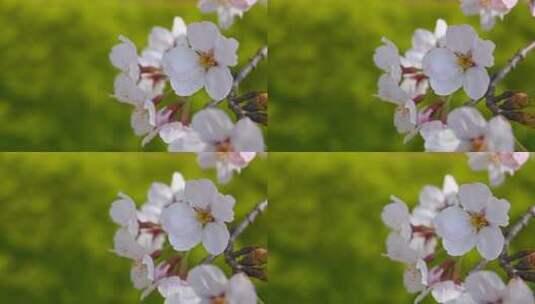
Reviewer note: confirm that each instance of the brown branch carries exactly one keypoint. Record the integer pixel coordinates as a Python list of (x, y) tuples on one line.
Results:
[(236, 232), (510, 235), (491, 98), (505, 261), (253, 63)]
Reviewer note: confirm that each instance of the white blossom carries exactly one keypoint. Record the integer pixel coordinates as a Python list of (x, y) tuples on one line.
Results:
[(226, 10), (486, 287), (498, 164)]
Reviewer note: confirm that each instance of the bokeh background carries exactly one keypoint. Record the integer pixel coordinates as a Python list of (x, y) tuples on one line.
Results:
[(56, 231), (327, 236), (56, 77), (323, 80)]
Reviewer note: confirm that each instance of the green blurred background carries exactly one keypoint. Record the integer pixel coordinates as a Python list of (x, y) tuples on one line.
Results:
[(327, 236), (56, 77), (56, 231), (322, 77)]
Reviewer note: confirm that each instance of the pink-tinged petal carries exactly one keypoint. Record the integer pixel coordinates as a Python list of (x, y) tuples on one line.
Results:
[(215, 238), (207, 280), (199, 193), (226, 51), (241, 290), (499, 135), (490, 242), (247, 137), (479, 161), (219, 82), (484, 286), (446, 291), (497, 211), (467, 123), (476, 82), (460, 38), (212, 125), (474, 197), (202, 36), (453, 223)]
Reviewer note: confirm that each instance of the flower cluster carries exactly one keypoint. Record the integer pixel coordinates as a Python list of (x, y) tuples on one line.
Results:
[(458, 219), (497, 164), (490, 10), (158, 236), (190, 58), (423, 81)]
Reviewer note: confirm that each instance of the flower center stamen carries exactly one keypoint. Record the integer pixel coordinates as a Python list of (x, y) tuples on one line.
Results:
[(207, 60), (478, 144), (478, 220), (465, 61), (204, 216), (219, 300)]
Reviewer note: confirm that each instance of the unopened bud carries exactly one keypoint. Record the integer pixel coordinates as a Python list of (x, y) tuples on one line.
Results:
[(262, 100), (524, 118), (258, 117), (516, 101), (256, 257)]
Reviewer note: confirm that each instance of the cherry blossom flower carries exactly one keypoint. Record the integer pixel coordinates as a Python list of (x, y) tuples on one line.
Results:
[(461, 62), (438, 137), (161, 40), (422, 42), (432, 200), (124, 57), (499, 164), (175, 290), (204, 63), (486, 287), (387, 58), (212, 286), (181, 138), (124, 213), (161, 196), (415, 274), (488, 10), (475, 223), (226, 10), (200, 218), (396, 216), (476, 134)]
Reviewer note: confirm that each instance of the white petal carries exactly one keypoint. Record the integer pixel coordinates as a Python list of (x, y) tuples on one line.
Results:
[(441, 63), (212, 125), (396, 214), (207, 280), (225, 51), (247, 137), (187, 241), (202, 36), (123, 210), (467, 123), (474, 197), (178, 183), (215, 238), (438, 137), (160, 194), (219, 82), (460, 38), (497, 211), (476, 82), (446, 291), (461, 246), (499, 135), (223, 208), (125, 245), (484, 286), (490, 242), (431, 197), (482, 53), (518, 292), (182, 66), (453, 223), (241, 290), (199, 193)]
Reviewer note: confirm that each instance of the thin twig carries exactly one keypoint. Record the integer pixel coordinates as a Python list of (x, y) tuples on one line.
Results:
[(510, 235), (253, 63), (500, 75), (236, 232)]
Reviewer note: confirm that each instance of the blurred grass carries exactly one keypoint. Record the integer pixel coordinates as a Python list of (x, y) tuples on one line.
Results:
[(327, 236), (56, 77), (323, 80), (56, 231)]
